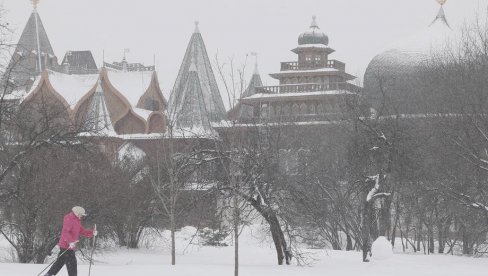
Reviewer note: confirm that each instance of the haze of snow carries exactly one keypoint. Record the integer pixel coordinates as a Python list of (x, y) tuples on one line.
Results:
[(257, 257), (357, 29)]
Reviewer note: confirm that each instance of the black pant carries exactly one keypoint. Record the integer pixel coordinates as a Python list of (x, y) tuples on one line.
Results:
[(65, 257)]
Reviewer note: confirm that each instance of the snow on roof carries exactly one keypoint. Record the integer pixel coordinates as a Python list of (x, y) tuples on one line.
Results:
[(71, 87), (131, 84), (140, 136), (18, 94), (227, 124), (320, 70), (142, 112), (299, 94)]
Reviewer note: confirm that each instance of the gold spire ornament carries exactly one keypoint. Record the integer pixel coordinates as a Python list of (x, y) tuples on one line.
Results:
[(441, 2), (35, 3)]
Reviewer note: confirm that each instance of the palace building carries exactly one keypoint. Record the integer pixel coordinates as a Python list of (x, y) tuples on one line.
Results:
[(123, 106), (312, 89)]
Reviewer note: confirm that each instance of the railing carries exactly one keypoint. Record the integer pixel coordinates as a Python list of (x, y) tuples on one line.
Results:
[(80, 70), (295, 66), (308, 87), (329, 117)]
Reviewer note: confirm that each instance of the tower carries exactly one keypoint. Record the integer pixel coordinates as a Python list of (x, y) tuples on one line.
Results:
[(313, 88), (32, 55), (196, 53)]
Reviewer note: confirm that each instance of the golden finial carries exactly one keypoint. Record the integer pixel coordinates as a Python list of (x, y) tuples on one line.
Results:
[(441, 2), (34, 3)]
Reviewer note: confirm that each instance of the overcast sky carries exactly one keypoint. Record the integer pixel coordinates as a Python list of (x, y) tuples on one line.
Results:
[(357, 29)]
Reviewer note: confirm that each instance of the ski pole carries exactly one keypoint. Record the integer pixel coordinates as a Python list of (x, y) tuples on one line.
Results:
[(49, 265), (93, 249)]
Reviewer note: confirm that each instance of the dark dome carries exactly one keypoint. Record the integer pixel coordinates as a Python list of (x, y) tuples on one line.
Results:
[(313, 36), (390, 73)]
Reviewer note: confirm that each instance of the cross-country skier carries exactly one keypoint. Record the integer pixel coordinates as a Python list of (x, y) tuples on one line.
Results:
[(70, 236)]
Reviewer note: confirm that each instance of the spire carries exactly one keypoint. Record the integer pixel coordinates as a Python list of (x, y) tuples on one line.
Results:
[(253, 83), (35, 35), (314, 24), (256, 70), (441, 15), (197, 30), (33, 52), (196, 53), (98, 118), (39, 52), (246, 111)]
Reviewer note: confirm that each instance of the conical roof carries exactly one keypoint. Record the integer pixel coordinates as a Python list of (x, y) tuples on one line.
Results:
[(24, 65), (28, 39), (191, 116), (98, 118), (246, 111), (212, 99), (253, 83)]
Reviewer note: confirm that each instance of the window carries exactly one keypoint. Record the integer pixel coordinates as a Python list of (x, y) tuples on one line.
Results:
[(303, 109), (264, 110)]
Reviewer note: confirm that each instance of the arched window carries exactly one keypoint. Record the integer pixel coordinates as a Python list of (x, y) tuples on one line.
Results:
[(264, 111), (286, 110), (295, 109), (320, 109), (311, 109), (278, 110)]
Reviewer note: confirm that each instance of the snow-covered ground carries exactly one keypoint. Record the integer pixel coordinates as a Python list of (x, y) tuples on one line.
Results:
[(257, 258)]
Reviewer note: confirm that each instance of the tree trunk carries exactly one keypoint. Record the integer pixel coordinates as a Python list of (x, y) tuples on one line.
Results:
[(121, 237), (348, 242), (282, 251), (441, 238), (419, 235), (431, 239), (133, 239), (393, 231), (236, 232), (467, 248), (385, 218), (335, 239), (366, 228), (173, 230)]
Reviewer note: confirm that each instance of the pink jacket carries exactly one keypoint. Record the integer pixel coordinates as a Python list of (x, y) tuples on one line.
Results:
[(72, 229)]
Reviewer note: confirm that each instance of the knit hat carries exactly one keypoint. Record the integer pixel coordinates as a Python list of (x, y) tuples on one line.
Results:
[(78, 211)]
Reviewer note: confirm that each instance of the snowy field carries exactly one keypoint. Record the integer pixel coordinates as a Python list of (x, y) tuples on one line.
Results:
[(257, 258)]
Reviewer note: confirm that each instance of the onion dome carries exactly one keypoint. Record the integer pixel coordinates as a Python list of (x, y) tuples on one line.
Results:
[(392, 69), (313, 36)]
